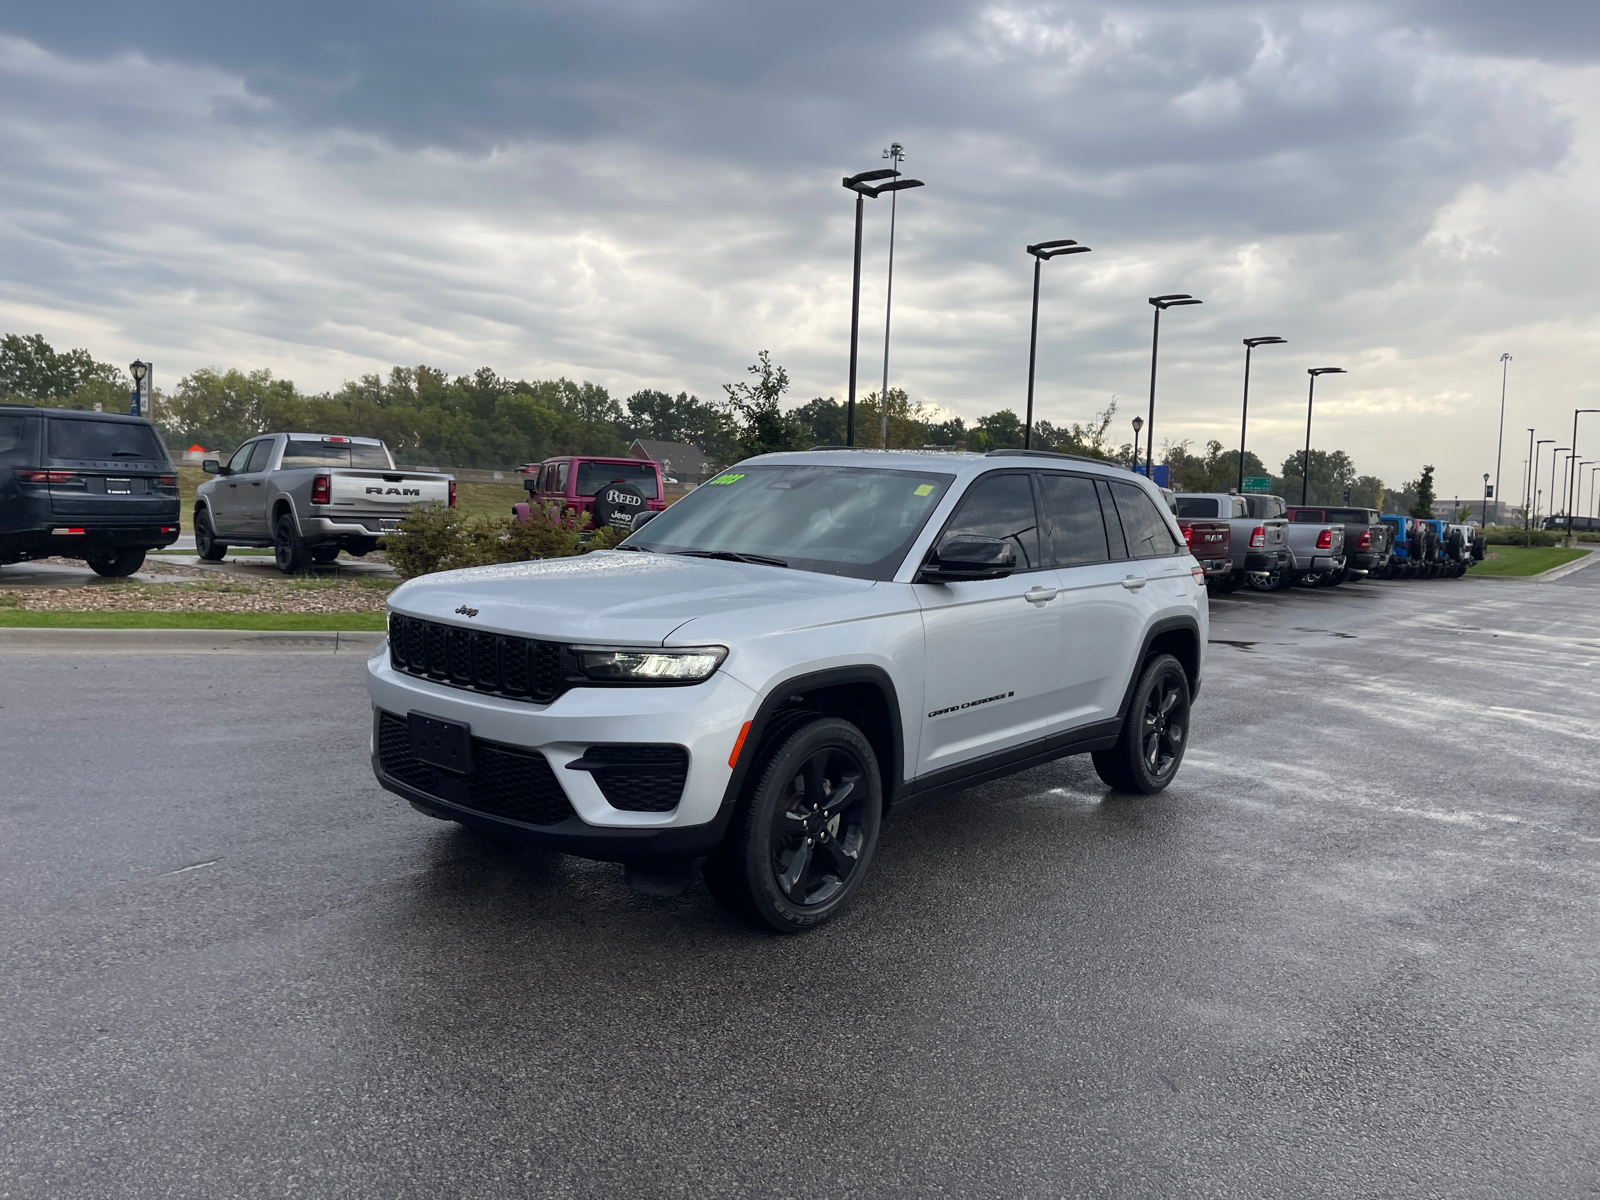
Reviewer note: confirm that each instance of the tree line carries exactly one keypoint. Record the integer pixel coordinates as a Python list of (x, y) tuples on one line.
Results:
[(484, 420)]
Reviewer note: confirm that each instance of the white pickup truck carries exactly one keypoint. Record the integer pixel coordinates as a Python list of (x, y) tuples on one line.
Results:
[(308, 496)]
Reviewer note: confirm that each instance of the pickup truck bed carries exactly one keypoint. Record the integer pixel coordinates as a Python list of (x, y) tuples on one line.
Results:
[(1258, 549)]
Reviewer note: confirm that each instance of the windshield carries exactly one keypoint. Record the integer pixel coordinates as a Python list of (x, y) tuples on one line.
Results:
[(303, 452), (1196, 506), (593, 476), (104, 439), (853, 521)]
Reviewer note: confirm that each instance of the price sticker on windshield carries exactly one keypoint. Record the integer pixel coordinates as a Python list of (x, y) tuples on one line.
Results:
[(925, 490), (725, 479)]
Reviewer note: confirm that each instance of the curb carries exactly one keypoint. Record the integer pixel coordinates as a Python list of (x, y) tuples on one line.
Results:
[(1589, 558), (186, 641)]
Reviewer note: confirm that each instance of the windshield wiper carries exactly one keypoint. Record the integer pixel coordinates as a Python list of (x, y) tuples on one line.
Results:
[(735, 556), (128, 454), (640, 549)]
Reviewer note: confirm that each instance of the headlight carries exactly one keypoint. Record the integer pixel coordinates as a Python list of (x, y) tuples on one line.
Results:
[(650, 666)]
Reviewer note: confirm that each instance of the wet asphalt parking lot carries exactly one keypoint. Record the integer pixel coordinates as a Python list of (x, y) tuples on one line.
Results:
[(1353, 951)]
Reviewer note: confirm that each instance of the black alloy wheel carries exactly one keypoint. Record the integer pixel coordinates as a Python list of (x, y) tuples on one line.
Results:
[(1155, 732), (205, 538), (115, 564), (1267, 581), (288, 551), (802, 839)]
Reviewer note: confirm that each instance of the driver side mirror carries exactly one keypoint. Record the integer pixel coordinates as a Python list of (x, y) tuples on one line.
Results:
[(964, 557), (211, 467), (641, 519)]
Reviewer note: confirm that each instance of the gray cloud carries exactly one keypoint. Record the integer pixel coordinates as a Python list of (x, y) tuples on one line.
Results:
[(647, 193)]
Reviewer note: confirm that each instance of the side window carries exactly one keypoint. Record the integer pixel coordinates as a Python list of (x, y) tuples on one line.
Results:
[(16, 439), (1001, 506), (561, 478), (1072, 516), (236, 464), (1119, 546), (547, 478), (1142, 523), (259, 457)]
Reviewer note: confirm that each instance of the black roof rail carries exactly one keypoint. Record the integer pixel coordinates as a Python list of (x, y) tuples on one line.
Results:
[(808, 451), (1103, 462)]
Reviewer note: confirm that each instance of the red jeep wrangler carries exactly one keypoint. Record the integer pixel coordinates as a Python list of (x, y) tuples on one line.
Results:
[(572, 482)]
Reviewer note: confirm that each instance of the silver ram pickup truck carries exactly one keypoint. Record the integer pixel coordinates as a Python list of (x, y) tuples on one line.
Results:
[(1259, 545), (1316, 550), (308, 496)]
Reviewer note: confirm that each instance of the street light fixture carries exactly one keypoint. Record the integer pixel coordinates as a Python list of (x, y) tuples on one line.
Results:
[(1305, 463), (1576, 413), (1505, 362), (895, 154), (1138, 424), (1160, 304), (1244, 415), (1040, 252), (1533, 484), (861, 185), (1485, 521), (139, 369)]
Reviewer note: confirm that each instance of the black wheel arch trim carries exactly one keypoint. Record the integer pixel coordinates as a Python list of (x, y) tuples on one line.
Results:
[(778, 698), (1165, 625)]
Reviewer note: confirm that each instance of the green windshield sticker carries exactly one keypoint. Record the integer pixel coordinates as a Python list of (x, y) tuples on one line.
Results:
[(925, 490), (726, 479)]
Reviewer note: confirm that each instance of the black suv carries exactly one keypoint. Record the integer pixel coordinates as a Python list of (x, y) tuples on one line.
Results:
[(95, 486)]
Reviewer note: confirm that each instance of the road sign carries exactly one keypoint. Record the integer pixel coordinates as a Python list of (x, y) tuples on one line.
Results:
[(1163, 473), (1258, 483)]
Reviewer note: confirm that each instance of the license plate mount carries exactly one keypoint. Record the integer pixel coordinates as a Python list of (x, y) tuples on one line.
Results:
[(119, 487), (389, 526), (446, 745)]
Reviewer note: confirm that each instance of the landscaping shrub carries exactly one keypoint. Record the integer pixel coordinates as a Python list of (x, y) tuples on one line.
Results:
[(436, 538), (1515, 535)]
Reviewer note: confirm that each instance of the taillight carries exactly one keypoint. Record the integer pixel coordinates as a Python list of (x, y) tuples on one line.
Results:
[(1199, 575), (30, 476), (1188, 536), (320, 490), (1258, 537), (1325, 540), (1365, 543), (452, 493), (166, 481)]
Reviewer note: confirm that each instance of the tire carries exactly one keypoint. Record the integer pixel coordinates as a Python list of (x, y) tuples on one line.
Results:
[(787, 864), (287, 549), (324, 554), (1272, 581), (115, 564), (1335, 578), (205, 538), (1155, 732)]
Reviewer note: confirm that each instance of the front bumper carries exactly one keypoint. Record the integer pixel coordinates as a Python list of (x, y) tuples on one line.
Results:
[(705, 719)]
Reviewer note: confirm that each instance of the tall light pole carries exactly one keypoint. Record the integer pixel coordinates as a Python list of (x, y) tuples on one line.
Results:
[(896, 154), (1138, 424), (1576, 413), (1554, 450), (1486, 500), (1040, 252), (1533, 484), (861, 185), (1311, 391), (1527, 480), (1160, 304), (1244, 413), (1505, 363)]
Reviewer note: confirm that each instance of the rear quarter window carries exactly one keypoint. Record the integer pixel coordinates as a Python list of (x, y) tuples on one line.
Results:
[(1142, 523), (90, 439), (16, 439)]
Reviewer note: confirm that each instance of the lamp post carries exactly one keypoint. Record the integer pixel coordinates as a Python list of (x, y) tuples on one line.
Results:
[(1485, 521), (1533, 484), (1527, 480), (1138, 424), (1505, 362), (139, 370), (895, 154), (1311, 391), (1554, 450), (1244, 412), (1576, 413), (861, 185), (1040, 252), (1160, 304)]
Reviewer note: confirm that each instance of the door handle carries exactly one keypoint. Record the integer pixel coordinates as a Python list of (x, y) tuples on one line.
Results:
[(1039, 595), (256, 483), (1132, 582)]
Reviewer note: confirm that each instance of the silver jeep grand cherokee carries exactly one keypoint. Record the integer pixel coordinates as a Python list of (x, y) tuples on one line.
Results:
[(757, 677)]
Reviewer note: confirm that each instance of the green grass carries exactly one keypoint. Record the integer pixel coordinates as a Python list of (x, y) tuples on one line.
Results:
[(1524, 560), (286, 622)]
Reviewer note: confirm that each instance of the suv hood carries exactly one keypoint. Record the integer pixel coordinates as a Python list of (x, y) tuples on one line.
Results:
[(609, 596)]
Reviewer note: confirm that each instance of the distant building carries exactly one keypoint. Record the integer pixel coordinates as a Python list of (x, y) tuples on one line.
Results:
[(678, 460)]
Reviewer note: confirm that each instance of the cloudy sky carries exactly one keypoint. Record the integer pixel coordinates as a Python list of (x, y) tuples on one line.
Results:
[(646, 192)]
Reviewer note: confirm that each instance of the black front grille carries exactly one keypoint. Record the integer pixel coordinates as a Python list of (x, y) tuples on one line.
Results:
[(516, 785), (638, 778), (518, 668)]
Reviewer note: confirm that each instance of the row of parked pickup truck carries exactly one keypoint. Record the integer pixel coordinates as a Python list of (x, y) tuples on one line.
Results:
[(1266, 543)]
